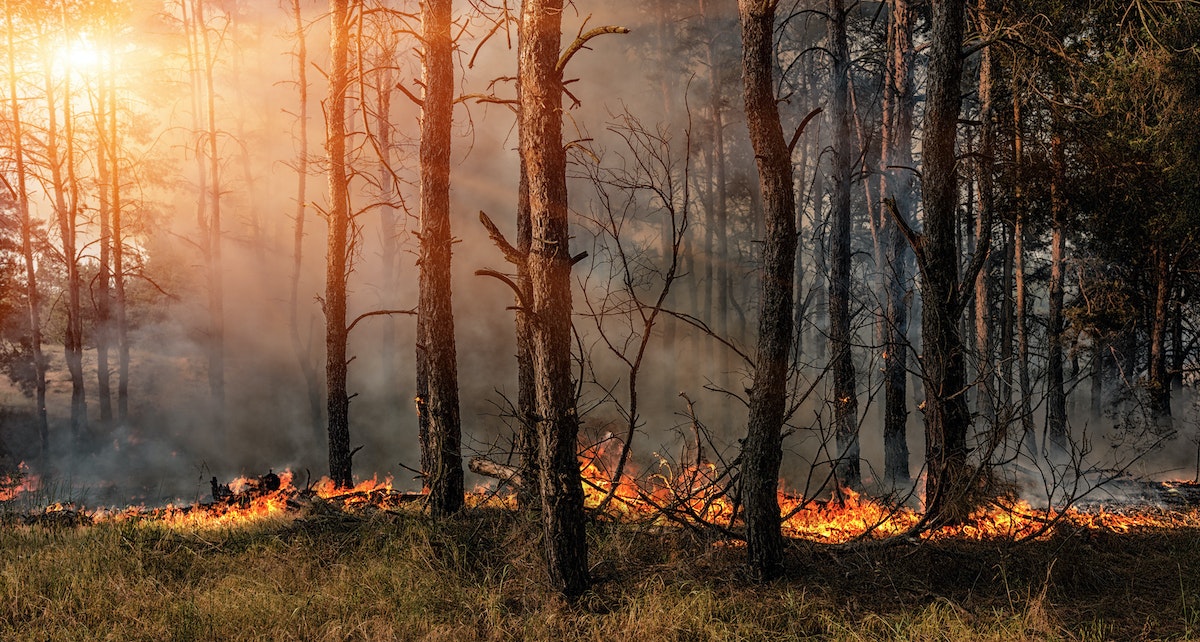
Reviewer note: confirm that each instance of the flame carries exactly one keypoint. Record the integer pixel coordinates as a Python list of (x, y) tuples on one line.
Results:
[(22, 482), (667, 495)]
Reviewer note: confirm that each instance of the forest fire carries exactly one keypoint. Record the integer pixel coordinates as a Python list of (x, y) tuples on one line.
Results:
[(694, 496), (22, 482)]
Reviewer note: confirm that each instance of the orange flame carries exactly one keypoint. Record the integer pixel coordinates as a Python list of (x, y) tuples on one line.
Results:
[(22, 482)]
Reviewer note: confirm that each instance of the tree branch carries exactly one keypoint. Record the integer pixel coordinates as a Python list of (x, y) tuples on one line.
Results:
[(377, 313), (915, 240), (521, 299), (511, 254), (411, 96), (581, 41), (800, 130)]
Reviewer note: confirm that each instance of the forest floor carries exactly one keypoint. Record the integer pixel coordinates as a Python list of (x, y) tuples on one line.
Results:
[(328, 575)]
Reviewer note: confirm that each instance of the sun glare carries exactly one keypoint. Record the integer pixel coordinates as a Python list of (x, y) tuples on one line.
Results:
[(80, 56)]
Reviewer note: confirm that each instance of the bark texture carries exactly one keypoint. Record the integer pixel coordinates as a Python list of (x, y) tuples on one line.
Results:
[(438, 402), (762, 449), (337, 249), (898, 187), (845, 398), (946, 416), (549, 262)]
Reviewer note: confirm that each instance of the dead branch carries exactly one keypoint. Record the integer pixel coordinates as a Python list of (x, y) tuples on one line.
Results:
[(581, 41), (523, 302), (411, 96), (800, 130), (488, 468), (376, 313), (511, 254)]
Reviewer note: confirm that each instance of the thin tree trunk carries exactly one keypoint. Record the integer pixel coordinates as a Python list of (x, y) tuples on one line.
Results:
[(1024, 406), (1056, 397), (983, 299), (337, 249), (67, 214), (303, 354), (845, 397), (1159, 387), (118, 251), (439, 403), (33, 296), (897, 185), (719, 312), (216, 287), (389, 230), (762, 450), (528, 495), (103, 333), (549, 260)]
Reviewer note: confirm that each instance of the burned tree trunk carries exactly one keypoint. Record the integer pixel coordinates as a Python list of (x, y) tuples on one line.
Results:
[(1056, 397), (897, 185), (845, 397), (762, 449), (1157, 384), (438, 401), (549, 261)]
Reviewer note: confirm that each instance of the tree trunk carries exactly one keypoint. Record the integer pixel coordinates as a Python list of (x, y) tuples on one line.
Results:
[(1056, 396), (845, 397), (1028, 439), (762, 449), (897, 185), (303, 353), (549, 261), (720, 259), (946, 416), (337, 249), (216, 277), (1157, 384), (65, 191), (388, 228), (103, 333), (987, 161), (118, 252), (435, 314), (33, 297), (528, 494)]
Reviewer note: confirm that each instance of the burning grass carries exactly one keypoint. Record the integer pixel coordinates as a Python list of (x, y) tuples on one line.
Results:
[(272, 559)]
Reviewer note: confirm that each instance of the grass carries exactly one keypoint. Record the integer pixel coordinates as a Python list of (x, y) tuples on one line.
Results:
[(331, 576)]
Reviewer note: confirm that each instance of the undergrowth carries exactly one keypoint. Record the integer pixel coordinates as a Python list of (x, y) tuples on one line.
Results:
[(478, 576)]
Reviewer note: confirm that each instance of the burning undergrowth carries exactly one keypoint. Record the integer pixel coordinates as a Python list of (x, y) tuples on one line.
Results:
[(699, 497)]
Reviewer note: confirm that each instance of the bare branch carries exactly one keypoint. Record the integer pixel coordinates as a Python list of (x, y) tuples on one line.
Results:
[(581, 42), (524, 303), (800, 130), (511, 254), (411, 96), (377, 313)]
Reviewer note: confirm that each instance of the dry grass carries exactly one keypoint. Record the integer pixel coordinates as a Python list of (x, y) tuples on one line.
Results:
[(329, 576)]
